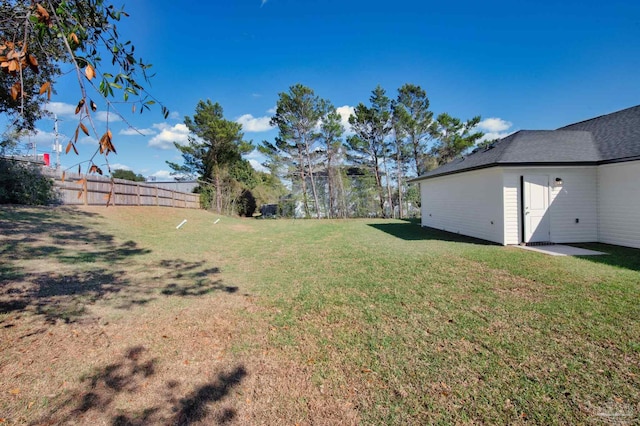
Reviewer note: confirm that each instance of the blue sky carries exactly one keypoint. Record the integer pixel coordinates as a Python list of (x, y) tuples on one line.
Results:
[(519, 65)]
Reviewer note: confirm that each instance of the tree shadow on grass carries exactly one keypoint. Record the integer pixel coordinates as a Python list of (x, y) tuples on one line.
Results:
[(130, 377), (198, 279), (195, 406), (126, 376), (411, 231), (56, 264), (617, 256)]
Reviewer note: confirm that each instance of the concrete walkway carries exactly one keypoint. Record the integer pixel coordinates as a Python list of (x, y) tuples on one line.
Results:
[(561, 250)]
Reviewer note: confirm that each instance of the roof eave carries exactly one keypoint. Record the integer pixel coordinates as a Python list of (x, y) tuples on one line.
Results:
[(510, 164), (620, 160)]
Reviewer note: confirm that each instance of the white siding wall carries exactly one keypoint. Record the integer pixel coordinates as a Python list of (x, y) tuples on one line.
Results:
[(576, 198), (619, 203), (512, 209), (466, 203)]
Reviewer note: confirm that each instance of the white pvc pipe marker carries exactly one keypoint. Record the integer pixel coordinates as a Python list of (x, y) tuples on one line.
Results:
[(181, 223)]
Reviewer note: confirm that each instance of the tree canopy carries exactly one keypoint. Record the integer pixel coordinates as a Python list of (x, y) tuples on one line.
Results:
[(368, 145), (214, 154), (41, 40), (298, 114), (413, 118), (127, 175), (333, 150), (388, 141), (453, 136)]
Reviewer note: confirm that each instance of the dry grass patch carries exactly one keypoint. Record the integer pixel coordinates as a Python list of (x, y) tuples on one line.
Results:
[(114, 316)]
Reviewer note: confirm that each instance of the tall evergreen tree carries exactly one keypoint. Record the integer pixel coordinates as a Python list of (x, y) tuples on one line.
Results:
[(453, 136), (298, 113), (215, 146), (400, 154), (411, 112), (368, 145), (331, 131)]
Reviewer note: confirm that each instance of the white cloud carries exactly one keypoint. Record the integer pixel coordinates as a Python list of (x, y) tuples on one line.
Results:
[(46, 140), (118, 166), (163, 175), (345, 112), (257, 166), (168, 135), (255, 155), (254, 124), (175, 115), (256, 158), (131, 131), (493, 136), (42, 138), (272, 110), (494, 128), (494, 125), (105, 116), (90, 140), (61, 109)]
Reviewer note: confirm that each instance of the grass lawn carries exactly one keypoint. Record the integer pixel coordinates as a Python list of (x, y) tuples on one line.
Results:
[(114, 316)]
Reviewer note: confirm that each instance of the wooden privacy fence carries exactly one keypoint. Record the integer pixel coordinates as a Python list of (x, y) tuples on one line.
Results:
[(91, 190)]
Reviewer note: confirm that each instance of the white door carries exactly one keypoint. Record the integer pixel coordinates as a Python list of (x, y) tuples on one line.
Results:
[(537, 225)]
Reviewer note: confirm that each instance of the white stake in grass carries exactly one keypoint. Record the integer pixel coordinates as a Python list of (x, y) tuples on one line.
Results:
[(217, 220), (181, 223)]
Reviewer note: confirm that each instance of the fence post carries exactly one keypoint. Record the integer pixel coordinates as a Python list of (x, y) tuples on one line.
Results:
[(85, 190), (115, 192), (157, 202), (138, 188)]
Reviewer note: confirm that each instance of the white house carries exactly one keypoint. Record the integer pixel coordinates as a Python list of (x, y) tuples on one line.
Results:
[(579, 183)]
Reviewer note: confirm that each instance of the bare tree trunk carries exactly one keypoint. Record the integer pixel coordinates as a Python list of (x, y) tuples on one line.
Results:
[(330, 188), (416, 153), (399, 178), (303, 179), (379, 187), (400, 188), (342, 196), (386, 172), (313, 181), (217, 180)]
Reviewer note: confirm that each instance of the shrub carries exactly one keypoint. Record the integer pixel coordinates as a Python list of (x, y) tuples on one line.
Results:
[(206, 196), (246, 203), (23, 183)]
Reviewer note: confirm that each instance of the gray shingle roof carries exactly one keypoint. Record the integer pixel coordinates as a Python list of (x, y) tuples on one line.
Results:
[(608, 138), (617, 134)]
